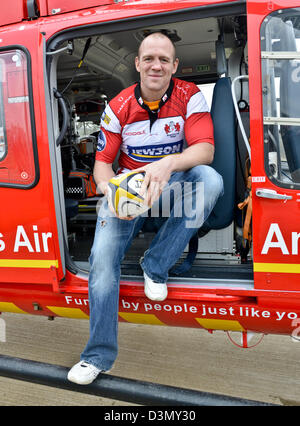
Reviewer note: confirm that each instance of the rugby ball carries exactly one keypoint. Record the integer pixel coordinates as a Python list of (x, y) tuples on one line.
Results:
[(123, 193)]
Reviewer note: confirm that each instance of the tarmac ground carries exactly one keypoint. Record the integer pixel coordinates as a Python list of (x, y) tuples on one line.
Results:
[(187, 358)]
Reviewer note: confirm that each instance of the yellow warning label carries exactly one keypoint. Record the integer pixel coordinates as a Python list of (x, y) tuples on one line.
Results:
[(11, 307), (216, 324), (141, 318), (68, 312)]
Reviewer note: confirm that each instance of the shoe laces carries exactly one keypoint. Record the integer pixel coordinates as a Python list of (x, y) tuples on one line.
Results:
[(94, 370)]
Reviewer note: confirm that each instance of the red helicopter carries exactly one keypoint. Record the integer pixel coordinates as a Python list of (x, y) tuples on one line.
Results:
[(61, 61)]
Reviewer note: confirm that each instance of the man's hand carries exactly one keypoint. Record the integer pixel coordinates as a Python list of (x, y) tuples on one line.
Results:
[(156, 178), (115, 213), (159, 172), (102, 174)]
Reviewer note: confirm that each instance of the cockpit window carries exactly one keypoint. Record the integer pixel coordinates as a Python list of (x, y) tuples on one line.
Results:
[(280, 56), (17, 159)]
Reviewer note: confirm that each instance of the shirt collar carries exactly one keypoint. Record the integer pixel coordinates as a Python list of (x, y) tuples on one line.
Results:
[(164, 98)]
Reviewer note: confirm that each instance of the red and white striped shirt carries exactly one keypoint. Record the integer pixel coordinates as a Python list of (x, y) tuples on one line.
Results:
[(143, 136)]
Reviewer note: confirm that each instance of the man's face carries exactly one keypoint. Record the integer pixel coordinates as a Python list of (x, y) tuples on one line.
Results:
[(156, 65)]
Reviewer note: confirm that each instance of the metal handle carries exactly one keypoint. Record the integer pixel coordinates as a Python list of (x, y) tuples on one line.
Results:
[(237, 111), (272, 194), (65, 115)]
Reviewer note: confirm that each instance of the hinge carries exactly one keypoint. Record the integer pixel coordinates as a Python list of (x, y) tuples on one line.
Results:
[(55, 283), (32, 9)]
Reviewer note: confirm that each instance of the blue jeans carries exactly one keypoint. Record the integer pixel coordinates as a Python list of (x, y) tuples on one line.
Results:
[(187, 201)]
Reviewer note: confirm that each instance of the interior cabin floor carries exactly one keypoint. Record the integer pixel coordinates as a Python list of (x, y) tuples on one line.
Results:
[(81, 239)]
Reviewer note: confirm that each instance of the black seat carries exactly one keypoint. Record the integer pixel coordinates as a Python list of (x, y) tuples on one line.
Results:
[(223, 116)]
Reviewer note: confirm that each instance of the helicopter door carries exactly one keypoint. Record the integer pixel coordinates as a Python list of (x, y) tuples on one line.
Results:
[(274, 48), (29, 245)]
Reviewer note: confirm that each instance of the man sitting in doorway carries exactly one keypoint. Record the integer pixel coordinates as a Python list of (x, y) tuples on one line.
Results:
[(159, 113)]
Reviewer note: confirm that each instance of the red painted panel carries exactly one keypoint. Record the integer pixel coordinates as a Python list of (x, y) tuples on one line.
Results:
[(9, 14), (58, 6)]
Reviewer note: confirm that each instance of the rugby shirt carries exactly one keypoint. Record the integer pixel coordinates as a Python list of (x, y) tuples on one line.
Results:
[(142, 135)]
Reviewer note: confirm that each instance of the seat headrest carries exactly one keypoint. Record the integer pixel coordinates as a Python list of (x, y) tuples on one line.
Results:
[(221, 58)]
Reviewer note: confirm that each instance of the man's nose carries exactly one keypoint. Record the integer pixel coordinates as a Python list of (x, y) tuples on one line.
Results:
[(156, 64)]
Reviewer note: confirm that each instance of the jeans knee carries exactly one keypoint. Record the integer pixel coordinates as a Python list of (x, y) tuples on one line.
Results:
[(195, 174), (108, 255), (104, 273), (213, 181)]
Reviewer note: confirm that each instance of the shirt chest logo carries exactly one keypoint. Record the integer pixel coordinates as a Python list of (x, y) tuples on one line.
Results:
[(172, 129)]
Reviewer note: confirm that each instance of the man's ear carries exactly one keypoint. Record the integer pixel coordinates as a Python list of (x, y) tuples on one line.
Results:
[(137, 64), (175, 65)]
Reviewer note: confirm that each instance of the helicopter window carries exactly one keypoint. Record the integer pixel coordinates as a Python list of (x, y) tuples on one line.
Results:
[(17, 155), (280, 45)]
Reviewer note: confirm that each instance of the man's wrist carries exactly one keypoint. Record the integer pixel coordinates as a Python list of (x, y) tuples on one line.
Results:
[(173, 162), (102, 187)]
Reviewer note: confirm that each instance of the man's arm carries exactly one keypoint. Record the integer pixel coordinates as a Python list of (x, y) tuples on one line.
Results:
[(103, 172), (194, 155)]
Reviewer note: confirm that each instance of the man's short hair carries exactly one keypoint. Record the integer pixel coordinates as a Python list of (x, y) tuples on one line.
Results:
[(163, 34)]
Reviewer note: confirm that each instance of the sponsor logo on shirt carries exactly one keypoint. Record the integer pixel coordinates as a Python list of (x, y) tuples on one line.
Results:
[(124, 102), (137, 133), (106, 118), (101, 141), (154, 152)]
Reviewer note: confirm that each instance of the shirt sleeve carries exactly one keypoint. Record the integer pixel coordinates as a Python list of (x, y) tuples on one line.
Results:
[(109, 138), (199, 128)]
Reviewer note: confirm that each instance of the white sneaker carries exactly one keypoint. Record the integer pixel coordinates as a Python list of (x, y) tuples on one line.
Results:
[(155, 291), (83, 373)]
